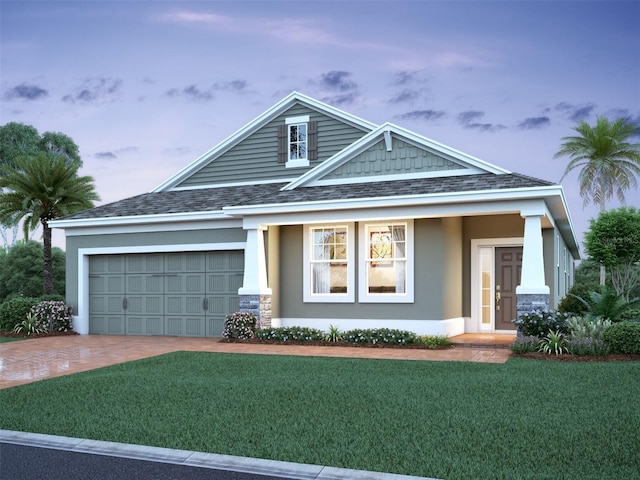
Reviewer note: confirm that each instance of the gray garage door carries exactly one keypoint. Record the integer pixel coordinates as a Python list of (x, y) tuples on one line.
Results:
[(176, 294)]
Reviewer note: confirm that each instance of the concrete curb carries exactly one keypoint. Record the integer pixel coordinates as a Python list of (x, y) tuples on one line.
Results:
[(290, 470)]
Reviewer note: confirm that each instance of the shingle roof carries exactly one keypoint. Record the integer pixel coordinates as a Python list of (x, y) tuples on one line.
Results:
[(214, 199)]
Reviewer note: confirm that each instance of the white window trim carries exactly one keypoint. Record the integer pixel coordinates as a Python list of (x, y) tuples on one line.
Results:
[(363, 294), (298, 162), (308, 296)]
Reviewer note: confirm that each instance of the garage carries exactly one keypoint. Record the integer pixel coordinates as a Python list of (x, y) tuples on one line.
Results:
[(173, 294)]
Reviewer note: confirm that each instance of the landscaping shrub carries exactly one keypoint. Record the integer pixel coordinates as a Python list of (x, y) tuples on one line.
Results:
[(538, 323), (380, 335), (434, 341), (553, 342), (623, 337), (287, 334), (54, 315), (14, 311), (573, 302), (587, 346), (239, 325), (525, 344), (587, 327), (31, 325), (333, 334), (630, 314)]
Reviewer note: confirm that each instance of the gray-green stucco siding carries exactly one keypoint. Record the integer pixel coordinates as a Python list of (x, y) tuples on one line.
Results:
[(126, 240), (256, 158), (437, 278)]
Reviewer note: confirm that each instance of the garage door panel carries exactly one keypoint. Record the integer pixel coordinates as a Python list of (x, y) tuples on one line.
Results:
[(115, 325), (166, 294), (185, 326)]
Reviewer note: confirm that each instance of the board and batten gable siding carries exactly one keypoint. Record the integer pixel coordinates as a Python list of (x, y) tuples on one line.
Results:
[(255, 159), (402, 159)]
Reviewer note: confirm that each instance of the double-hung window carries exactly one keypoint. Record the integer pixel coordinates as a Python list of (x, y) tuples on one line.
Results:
[(328, 263), (298, 141), (386, 267)]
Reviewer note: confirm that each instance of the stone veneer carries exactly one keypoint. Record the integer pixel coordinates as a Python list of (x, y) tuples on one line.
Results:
[(260, 306), (528, 302)]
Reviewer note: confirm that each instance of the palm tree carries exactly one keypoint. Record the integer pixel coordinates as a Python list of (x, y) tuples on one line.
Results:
[(608, 162), (40, 188)]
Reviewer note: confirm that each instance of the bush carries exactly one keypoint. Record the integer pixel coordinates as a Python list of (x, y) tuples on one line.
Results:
[(574, 301), (14, 311), (239, 325), (380, 335), (288, 334), (623, 337), (538, 323), (434, 341), (525, 344), (587, 327), (553, 342), (587, 346), (54, 315), (31, 325), (630, 314)]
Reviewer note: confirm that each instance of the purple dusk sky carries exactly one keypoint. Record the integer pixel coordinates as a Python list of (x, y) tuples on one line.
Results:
[(144, 87)]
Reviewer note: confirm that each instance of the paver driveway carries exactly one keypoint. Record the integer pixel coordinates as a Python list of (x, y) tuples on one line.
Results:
[(36, 359)]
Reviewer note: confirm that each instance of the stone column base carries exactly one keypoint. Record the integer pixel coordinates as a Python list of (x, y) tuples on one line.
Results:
[(528, 302), (258, 305)]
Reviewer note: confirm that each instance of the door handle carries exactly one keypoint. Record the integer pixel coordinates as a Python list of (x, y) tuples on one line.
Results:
[(497, 296), (205, 304)]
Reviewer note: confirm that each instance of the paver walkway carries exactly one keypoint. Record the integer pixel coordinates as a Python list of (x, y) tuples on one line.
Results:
[(36, 359)]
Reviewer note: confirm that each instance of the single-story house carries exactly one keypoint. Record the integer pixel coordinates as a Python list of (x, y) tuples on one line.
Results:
[(311, 216)]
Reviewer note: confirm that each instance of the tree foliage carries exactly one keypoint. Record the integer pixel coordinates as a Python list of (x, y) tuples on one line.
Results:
[(613, 240), (20, 140), (38, 189), (21, 270)]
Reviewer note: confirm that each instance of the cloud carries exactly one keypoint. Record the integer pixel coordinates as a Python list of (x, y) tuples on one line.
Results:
[(238, 86), (403, 78), (426, 115), (575, 112), (470, 119), (96, 90), (339, 100), (25, 92), (105, 155), (192, 92), (338, 81), (405, 96), (534, 122)]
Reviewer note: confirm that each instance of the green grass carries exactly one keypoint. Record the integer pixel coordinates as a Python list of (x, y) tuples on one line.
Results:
[(452, 420), (11, 339)]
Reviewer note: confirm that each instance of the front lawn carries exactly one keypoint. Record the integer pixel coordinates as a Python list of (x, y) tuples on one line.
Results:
[(4, 339), (452, 420)]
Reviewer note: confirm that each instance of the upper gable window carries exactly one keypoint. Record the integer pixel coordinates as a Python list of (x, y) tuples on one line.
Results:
[(297, 141)]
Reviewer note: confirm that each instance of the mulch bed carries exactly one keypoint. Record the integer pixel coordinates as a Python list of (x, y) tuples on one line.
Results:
[(565, 357), (37, 335), (322, 343)]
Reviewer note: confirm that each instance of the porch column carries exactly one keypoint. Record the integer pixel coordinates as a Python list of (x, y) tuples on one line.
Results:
[(532, 293), (255, 295)]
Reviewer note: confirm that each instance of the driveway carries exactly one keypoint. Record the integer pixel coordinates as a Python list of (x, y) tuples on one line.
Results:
[(40, 358)]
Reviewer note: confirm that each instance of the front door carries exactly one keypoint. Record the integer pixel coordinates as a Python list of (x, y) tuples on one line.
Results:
[(507, 278)]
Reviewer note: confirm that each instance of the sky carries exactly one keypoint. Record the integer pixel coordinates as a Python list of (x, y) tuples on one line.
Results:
[(146, 87)]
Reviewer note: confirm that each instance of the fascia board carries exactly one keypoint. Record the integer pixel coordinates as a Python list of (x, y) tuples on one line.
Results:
[(255, 124), (139, 219), (378, 202)]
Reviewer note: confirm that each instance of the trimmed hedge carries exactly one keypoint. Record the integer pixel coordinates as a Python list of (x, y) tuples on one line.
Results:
[(14, 311), (623, 337)]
